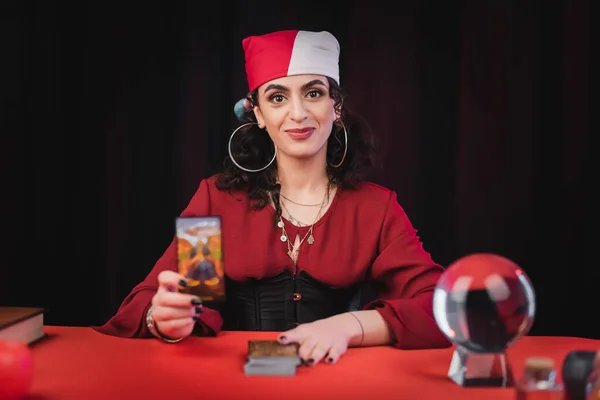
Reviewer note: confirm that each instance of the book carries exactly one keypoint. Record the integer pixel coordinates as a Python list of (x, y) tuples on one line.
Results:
[(269, 357), (200, 256), (23, 324)]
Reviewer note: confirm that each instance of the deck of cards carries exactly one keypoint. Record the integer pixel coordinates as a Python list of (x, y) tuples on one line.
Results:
[(269, 357)]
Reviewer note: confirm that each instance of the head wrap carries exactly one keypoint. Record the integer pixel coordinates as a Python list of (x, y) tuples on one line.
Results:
[(285, 53)]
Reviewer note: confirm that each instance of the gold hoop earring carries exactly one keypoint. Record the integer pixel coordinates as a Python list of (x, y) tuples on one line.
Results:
[(233, 159), (345, 149)]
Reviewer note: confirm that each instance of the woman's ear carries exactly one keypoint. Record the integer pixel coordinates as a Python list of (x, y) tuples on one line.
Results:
[(259, 118), (337, 115), (338, 120)]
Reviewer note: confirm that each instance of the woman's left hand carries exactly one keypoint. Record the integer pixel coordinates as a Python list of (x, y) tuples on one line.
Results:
[(325, 339)]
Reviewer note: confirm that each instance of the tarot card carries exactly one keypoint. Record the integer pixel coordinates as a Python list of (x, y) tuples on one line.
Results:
[(272, 349), (200, 256)]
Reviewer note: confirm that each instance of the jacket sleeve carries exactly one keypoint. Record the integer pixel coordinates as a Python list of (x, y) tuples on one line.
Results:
[(406, 277), (129, 320)]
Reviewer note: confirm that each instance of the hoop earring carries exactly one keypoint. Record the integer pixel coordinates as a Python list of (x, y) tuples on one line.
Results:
[(345, 149), (233, 159)]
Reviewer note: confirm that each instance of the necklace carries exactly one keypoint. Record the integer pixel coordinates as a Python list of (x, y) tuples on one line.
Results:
[(300, 204), (310, 239), (291, 218)]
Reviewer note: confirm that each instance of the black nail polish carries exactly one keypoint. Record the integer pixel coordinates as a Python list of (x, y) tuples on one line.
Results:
[(199, 309), (195, 318), (330, 360), (283, 339), (196, 301), (311, 361), (183, 283)]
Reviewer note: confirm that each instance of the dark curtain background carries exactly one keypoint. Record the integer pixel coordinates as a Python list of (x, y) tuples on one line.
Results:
[(112, 115)]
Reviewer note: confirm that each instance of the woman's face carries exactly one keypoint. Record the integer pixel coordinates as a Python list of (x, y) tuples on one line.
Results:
[(298, 113)]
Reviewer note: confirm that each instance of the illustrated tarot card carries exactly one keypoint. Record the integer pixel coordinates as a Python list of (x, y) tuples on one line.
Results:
[(200, 256)]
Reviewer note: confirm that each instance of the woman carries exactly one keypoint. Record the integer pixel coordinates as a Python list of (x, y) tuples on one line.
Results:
[(303, 234)]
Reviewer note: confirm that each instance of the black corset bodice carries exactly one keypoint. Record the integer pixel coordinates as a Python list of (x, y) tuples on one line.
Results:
[(281, 302)]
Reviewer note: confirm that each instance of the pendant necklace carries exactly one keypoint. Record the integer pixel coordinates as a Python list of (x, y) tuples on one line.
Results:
[(310, 239)]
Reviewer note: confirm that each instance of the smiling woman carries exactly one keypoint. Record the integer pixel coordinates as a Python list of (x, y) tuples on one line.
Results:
[(278, 67), (304, 232)]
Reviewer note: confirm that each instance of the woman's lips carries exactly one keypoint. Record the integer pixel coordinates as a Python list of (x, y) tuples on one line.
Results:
[(300, 134)]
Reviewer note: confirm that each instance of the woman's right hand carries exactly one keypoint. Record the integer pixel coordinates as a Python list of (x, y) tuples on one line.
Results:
[(174, 313)]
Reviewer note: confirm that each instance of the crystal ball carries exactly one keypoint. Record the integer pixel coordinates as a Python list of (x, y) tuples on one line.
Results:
[(484, 303)]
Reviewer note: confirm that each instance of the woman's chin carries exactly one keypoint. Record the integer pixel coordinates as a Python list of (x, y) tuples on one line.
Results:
[(301, 155), (304, 151)]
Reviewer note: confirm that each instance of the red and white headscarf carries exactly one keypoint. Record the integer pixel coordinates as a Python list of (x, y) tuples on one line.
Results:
[(284, 53), (290, 52)]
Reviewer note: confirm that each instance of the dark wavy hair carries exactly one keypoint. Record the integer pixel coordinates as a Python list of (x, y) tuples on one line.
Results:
[(253, 149)]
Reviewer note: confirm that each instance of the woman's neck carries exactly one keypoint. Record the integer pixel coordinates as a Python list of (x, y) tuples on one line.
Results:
[(302, 178)]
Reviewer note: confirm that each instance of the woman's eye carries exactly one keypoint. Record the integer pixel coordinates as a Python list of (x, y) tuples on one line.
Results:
[(314, 93), (277, 98)]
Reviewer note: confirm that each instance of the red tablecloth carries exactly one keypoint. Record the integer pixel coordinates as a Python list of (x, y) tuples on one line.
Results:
[(79, 363)]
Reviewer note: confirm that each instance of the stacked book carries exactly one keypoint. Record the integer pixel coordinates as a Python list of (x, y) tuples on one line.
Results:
[(22, 324), (269, 357)]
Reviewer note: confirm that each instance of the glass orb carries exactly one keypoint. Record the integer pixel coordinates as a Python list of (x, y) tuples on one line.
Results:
[(484, 303)]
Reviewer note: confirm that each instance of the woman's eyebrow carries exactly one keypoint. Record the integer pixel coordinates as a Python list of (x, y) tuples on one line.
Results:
[(282, 88)]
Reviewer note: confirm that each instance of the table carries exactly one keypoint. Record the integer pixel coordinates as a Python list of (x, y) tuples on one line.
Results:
[(80, 363)]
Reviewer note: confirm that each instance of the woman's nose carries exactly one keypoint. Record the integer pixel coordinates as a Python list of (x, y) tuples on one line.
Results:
[(298, 111)]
